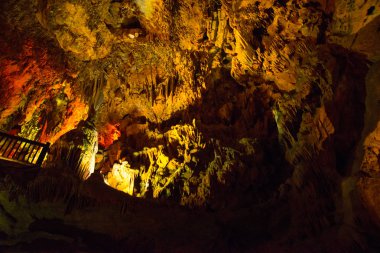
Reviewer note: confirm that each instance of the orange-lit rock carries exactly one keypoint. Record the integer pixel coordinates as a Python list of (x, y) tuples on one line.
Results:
[(108, 135)]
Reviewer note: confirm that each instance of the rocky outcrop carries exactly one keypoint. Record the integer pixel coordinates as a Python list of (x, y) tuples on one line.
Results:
[(369, 182), (74, 153)]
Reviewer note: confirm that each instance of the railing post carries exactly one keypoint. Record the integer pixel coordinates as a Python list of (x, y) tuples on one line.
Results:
[(45, 149)]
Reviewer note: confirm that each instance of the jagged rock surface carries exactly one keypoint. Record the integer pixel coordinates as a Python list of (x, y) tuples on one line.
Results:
[(263, 112)]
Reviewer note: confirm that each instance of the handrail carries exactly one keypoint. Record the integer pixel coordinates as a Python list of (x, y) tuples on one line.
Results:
[(18, 149)]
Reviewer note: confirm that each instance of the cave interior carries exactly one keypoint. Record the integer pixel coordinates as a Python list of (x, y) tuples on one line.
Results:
[(190, 126)]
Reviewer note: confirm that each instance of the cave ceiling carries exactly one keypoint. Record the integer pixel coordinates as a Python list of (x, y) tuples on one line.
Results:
[(214, 103)]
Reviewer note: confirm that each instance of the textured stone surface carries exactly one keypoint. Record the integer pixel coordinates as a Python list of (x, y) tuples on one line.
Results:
[(260, 115)]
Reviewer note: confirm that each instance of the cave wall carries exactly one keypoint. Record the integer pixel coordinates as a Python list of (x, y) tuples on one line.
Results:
[(210, 104)]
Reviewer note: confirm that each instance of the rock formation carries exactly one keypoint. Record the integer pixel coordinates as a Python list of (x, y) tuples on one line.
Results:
[(234, 126)]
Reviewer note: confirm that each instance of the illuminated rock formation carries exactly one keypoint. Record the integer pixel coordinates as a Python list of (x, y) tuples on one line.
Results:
[(261, 117)]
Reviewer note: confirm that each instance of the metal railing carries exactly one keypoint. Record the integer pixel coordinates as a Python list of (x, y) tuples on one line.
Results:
[(21, 150)]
